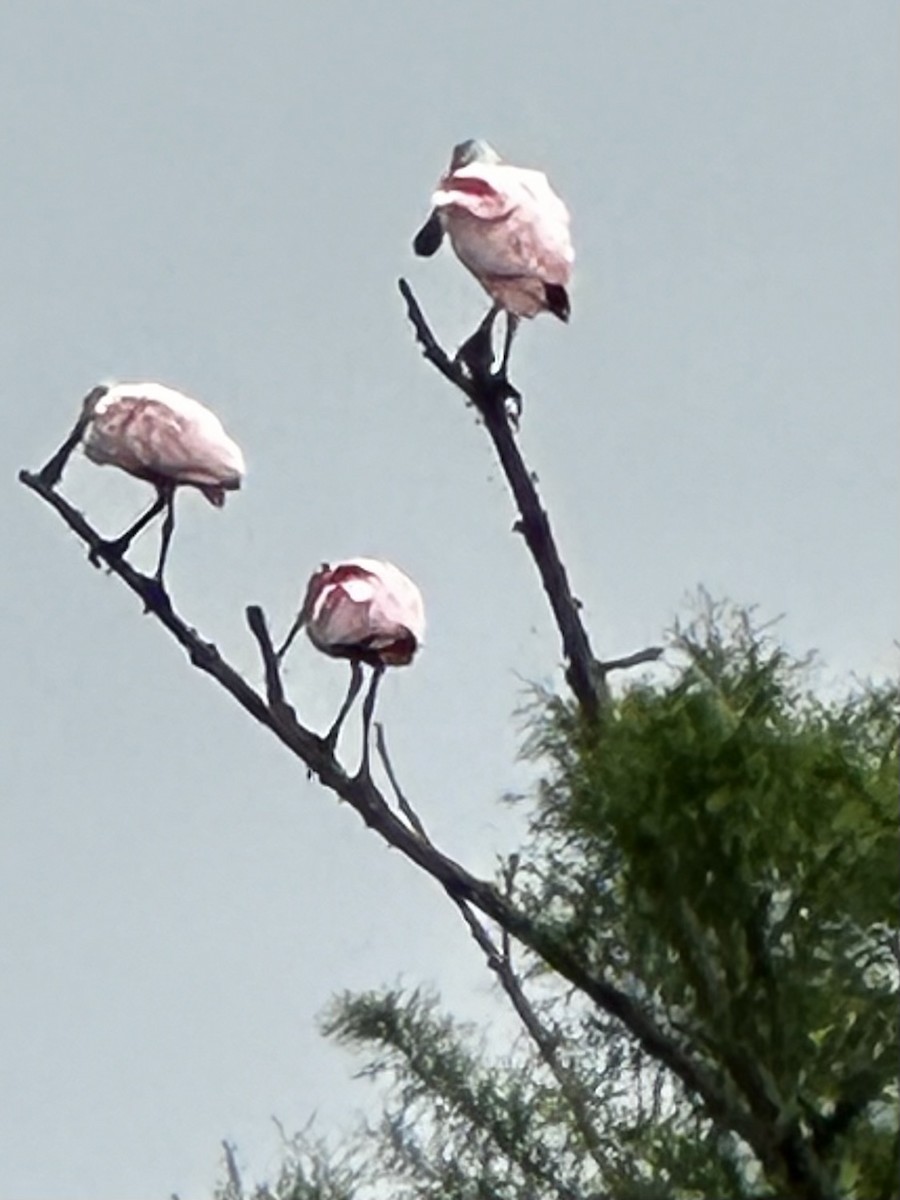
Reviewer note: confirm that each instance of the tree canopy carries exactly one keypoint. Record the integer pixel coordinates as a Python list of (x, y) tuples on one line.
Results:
[(722, 847)]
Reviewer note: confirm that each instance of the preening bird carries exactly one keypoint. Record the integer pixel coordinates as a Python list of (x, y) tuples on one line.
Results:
[(509, 227), (162, 436), (365, 610)]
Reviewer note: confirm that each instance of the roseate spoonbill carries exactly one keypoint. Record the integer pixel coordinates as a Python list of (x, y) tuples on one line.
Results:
[(160, 435), (509, 227), (365, 610)]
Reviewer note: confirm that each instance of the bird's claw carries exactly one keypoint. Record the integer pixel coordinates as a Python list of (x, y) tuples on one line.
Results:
[(512, 406), (506, 395), (476, 353)]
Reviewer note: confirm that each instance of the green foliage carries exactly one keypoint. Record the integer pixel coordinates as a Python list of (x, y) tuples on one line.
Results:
[(455, 1116), (310, 1170), (724, 850), (735, 853)]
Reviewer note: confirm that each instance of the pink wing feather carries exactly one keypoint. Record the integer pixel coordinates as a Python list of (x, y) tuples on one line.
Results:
[(506, 221), (162, 435)]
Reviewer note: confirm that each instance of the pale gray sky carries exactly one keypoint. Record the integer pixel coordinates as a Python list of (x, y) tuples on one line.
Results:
[(221, 196)]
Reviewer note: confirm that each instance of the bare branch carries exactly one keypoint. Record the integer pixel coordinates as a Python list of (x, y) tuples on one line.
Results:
[(360, 792), (235, 1186), (402, 803), (585, 676), (573, 1090), (499, 961), (650, 655), (256, 620), (433, 351)]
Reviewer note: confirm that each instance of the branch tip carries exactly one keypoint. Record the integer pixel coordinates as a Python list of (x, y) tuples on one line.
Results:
[(402, 803), (639, 658), (256, 620)]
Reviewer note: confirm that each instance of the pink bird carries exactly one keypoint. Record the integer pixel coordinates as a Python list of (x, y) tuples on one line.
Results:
[(162, 436), (365, 610), (509, 227)]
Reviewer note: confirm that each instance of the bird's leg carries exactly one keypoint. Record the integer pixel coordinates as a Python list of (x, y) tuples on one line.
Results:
[(512, 398), (477, 351), (368, 709), (117, 547), (512, 324), (168, 527), (292, 633), (356, 682)]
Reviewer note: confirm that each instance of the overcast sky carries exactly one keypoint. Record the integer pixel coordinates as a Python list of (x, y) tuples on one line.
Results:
[(220, 196)]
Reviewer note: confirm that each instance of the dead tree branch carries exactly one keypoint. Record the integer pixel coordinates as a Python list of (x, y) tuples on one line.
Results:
[(499, 961), (711, 1088), (638, 659), (584, 674)]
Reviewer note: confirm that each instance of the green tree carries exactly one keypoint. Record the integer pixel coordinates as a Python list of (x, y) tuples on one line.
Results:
[(722, 847)]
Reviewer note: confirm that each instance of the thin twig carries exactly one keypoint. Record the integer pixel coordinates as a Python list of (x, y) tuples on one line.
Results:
[(508, 873), (500, 962), (573, 1090), (235, 1190), (256, 620), (650, 655), (402, 803), (432, 349)]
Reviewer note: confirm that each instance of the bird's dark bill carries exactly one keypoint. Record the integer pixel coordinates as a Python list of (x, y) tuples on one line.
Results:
[(557, 299), (429, 237)]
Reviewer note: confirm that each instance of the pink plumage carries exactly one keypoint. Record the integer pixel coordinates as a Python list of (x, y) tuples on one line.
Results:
[(508, 226), (364, 609), (165, 437), (369, 612), (161, 436)]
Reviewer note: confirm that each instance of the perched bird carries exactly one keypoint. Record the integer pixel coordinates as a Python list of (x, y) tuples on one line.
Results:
[(160, 435), (365, 610), (509, 227)]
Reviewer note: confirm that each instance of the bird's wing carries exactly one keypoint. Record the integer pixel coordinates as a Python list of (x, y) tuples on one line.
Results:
[(186, 447), (524, 233), (482, 190)]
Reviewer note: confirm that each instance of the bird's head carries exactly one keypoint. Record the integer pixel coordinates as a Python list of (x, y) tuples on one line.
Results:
[(473, 150), (92, 399)]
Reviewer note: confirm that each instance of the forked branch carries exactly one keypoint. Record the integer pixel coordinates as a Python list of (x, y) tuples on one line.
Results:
[(499, 960), (585, 675), (362, 794)]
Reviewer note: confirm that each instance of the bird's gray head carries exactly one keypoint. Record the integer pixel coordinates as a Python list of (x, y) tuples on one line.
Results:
[(471, 151)]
